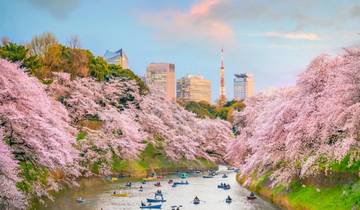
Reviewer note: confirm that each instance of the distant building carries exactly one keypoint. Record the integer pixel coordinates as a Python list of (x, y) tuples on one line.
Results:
[(162, 76), (118, 58), (243, 86), (222, 97), (193, 88)]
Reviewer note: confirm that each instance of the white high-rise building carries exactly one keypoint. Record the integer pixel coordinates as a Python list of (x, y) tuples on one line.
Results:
[(243, 86)]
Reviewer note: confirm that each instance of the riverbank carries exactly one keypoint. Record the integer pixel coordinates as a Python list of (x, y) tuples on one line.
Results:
[(306, 194)]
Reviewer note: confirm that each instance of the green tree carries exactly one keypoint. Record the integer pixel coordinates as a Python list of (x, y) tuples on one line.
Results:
[(18, 53), (99, 68)]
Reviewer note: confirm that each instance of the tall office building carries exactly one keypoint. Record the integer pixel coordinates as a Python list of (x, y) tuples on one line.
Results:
[(162, 77), (118, 58), (243, 86), (193, 88), (222, 97)]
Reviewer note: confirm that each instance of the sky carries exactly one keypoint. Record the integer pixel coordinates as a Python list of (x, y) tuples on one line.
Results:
[(273, 40)]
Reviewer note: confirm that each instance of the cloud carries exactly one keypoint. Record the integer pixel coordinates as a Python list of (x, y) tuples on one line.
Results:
[(191, 24), (355, 11), (57, 8), (293, 35)]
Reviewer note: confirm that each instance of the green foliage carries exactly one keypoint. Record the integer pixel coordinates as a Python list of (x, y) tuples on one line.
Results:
[(262, 180), (203, 109), (95, 167), (81, 136), (99, 68), (47, 56), (31, 174), (18, 53), (345, 165)]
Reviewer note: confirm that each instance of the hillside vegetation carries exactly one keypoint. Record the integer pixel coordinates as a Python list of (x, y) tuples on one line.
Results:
[(65, 114)]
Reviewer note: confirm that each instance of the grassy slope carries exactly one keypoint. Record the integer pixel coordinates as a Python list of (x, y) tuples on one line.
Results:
[(310, 197)]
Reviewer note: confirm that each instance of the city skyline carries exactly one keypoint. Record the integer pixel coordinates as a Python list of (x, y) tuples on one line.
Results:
[(274, 45)]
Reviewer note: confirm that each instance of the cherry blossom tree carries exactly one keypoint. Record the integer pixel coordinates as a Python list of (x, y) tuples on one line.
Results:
[(35, 129), (291, 130)]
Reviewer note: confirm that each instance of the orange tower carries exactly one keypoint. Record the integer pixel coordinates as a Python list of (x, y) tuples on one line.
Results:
[(222, 97)]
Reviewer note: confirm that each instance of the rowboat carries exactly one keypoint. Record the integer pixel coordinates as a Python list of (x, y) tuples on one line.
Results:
[(184, 175), (80, 200), (208, 176), (181, 183), (251, 197), (151, 207), (150, 200)]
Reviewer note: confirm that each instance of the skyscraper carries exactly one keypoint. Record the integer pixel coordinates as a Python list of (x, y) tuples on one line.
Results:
[(162, 76), (243, 86), (118, 58), (222, 97), (193, 88)]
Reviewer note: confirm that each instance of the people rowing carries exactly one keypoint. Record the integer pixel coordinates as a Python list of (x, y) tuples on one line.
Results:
[(251, 196), (196, 200), (228, 199), (158, 193), (224, 186)]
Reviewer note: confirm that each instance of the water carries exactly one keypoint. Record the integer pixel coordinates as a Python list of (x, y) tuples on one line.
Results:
[(97, 195)]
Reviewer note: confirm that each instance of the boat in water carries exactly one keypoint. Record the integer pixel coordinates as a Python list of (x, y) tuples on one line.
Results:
[(224, 176), (150, 200), (196, 201), (251, 196), (181, 183), (150, 206), (224, 186), (158, 193), (208, 176), (228, 199), (80, 200), (184, 175)]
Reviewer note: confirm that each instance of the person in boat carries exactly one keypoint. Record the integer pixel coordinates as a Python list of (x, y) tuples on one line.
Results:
[(186, 182), (141, 187), (196, 198), (252, 194), (114, 193), (229, 198), (142, 204)]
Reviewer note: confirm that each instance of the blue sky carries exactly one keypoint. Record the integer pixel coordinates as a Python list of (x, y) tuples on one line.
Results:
[(273, 40)]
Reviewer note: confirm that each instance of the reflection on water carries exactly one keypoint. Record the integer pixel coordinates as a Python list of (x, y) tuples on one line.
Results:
[(97, 195)]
